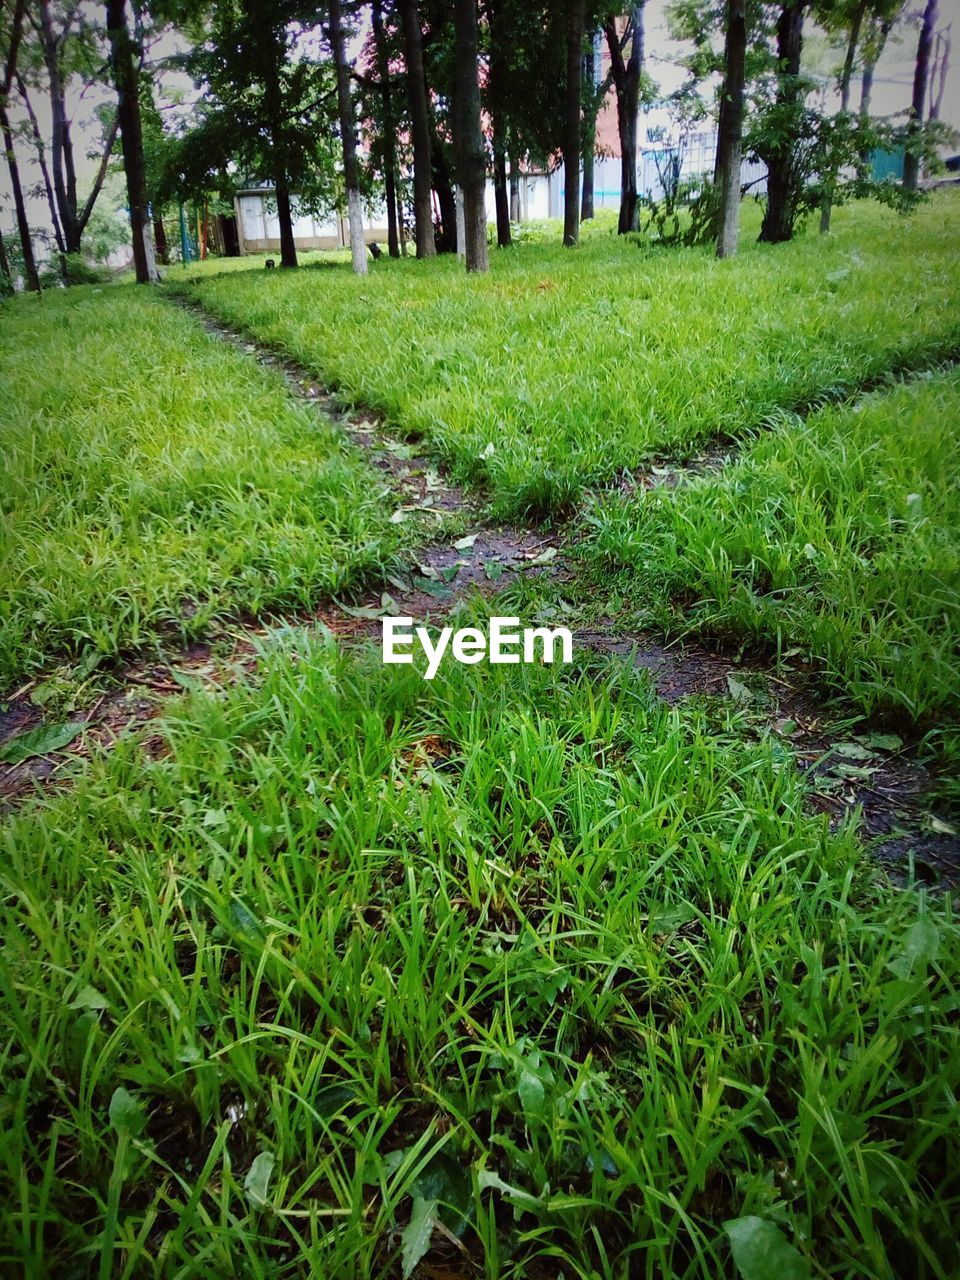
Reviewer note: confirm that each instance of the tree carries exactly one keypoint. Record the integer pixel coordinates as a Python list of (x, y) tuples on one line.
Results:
[(126, 80), (595, 91), (419, 128), (265, 112), (627, 74), (496, 90), (9, 72), (572, 132), (389, 128), (911, 159), (730, 136), (468, 138), (67, 39), (348, 139), (846, 18), (41, 157), (783, 129), (6, 275)]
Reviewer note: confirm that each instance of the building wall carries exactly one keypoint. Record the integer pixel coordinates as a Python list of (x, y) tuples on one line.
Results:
[(259, 227)]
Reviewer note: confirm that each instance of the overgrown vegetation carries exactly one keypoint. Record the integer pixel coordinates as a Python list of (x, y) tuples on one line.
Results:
[(154, 479), (839, 534), (562, 370), (527, 955)]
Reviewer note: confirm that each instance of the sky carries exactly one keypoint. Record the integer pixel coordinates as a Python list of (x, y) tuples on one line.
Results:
[(892, 91)]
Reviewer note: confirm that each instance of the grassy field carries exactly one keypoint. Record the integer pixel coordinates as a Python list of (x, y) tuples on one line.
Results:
[(839, 534), (520, 973), (528, 954), (560, 369), (152, 478)]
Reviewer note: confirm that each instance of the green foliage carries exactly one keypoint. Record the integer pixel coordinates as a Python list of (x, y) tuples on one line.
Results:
[(153, 479), (544, 376), (837, 536), (521, 951)]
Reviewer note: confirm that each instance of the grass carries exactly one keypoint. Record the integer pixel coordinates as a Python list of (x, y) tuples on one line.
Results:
[(838, 535), (562, 369), (521, 951), (154, 479)]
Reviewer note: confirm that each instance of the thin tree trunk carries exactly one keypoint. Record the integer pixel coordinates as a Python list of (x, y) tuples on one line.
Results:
[(45, 175), (911, 159), (401, 225), (846, 75), (443, 185), (6, 279), (461, 224), (348, 138), (870, 60), (420, 129), (468, 137), (19, 204), (626, 80), (571, 132), (389, 130), (495, 85), (730, 140), (160, 240), (501, 192), (288, 243), (515, 211), (940, 76), (73, 218), (586, 181), (778, 217), (125, 77)]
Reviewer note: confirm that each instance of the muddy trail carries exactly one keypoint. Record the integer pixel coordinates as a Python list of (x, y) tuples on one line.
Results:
[(461, 555)]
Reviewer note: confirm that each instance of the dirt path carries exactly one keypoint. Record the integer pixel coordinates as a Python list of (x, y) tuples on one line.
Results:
[(461, 555)]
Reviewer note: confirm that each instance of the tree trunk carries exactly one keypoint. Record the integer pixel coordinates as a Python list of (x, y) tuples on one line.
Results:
[(45, 175), (468, 137), (778, 217), (571, 132), (389, 130), (125, 78), (288, 244), (160, 240), (443, 185), (401, 229), (911, 159), (730, 141), (504, 239), (515, 211), (348, 138), (588, 161), (940, 76), (870, 61), (461, 224), (846, 75), (23, 225), (626, 80), (495, 84), (420, 129), (6, 279)]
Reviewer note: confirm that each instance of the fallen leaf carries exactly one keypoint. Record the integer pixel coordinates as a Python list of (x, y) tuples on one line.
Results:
[(41, 741)]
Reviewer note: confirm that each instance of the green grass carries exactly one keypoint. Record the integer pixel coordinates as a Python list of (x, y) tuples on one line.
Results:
[(839, 535), (153, 478), (525, 951), (562, 368)]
